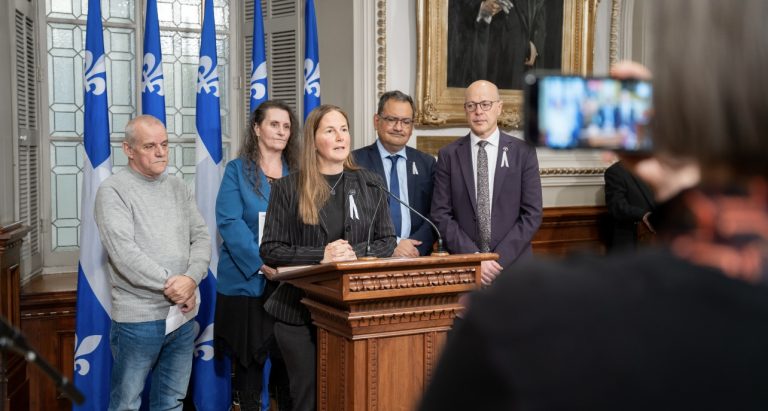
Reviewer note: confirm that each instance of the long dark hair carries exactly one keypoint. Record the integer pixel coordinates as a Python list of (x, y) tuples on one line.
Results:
[(250, 152)]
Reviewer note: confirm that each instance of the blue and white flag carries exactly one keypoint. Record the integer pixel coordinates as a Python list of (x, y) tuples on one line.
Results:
[(311, 61), (93, 358), (152, 88), (259, 93), (210, 383)]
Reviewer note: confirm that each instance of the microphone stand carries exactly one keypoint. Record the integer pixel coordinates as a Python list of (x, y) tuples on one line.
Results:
[(368, 254), (12, 340), (440, 250)]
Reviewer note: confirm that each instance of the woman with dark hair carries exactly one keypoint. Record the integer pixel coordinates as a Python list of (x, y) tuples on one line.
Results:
[(679, 326), (320, 214), (243, 329)]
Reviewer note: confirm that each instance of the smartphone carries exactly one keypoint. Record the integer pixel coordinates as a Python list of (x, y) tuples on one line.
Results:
[(570, 112)]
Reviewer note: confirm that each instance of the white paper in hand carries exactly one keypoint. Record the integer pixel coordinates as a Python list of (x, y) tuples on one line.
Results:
[(176, 318)]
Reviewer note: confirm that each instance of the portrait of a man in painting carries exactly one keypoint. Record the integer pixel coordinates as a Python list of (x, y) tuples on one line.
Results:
[(498, 40)]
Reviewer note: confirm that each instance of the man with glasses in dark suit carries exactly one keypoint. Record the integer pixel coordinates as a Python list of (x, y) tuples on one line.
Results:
[(487, 195), (409, 173)]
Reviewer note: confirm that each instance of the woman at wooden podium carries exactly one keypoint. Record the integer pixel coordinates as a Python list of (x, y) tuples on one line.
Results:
[(322, 213)]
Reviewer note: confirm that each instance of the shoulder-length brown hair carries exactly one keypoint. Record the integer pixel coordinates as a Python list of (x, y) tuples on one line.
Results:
[(250, 153), (313, 189)]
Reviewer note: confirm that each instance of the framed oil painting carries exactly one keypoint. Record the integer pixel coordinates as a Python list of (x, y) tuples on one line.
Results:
[(460, 41)]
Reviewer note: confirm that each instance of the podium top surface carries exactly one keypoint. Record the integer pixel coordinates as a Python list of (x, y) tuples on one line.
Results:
[(291, 273)]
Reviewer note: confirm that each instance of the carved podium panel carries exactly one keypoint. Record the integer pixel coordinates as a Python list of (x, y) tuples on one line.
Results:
[(381, 325)]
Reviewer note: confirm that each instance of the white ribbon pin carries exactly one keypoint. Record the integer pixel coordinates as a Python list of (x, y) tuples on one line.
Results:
[(352, 206), (415, 170), (504, 161)]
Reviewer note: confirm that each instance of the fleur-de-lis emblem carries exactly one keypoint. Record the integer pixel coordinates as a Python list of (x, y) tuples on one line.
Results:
[(152, 75), (202, 348), (95, 77), (87, 346), (258, 86), (207, 77), (311, 77)]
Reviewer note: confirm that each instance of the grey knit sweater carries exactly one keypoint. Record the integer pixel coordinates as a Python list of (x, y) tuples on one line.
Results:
[(151, 230)]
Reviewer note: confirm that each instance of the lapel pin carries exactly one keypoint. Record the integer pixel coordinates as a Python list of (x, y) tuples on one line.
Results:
[(352, 206), (504, 161), (415, 170)]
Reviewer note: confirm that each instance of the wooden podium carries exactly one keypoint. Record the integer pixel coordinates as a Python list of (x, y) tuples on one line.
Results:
[(381, 325)]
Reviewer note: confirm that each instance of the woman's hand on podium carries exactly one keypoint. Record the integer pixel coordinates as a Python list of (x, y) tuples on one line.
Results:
[(339, 250)]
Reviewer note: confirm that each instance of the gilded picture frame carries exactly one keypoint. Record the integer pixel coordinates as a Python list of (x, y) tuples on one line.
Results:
[(440, 105)]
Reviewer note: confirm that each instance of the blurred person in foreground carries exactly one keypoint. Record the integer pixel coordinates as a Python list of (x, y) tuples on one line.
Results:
[(321, 214), (243, 328), (678, 326)]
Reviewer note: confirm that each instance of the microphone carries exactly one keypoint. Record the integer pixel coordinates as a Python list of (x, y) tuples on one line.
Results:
[(12, 340), (440, 249)]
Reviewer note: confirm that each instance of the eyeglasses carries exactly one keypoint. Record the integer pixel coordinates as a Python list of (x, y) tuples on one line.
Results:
[(485, 105), (391, 121)]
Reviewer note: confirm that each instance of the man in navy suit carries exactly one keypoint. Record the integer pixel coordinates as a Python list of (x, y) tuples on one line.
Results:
[(487, 195), (414, 172)]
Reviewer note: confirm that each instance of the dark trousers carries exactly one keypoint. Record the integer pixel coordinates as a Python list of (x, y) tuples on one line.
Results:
[(248, 382), (297, 344)]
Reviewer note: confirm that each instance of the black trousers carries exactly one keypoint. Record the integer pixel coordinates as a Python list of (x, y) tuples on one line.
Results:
[(297, 344)]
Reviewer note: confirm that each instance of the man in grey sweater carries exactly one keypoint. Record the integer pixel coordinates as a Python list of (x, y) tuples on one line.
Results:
[(159, 250)]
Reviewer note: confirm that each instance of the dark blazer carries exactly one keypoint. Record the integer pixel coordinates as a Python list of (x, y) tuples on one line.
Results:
[(516, 205), (627, 200), (419, 188), (287, 241)]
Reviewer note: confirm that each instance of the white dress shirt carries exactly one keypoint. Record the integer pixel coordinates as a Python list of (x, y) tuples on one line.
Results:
[(492, 149)]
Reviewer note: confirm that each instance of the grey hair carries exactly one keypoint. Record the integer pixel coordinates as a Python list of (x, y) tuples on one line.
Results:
[(130, 128), (396, 95)]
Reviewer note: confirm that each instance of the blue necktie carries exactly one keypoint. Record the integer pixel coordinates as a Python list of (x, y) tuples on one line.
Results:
[(394, 187)]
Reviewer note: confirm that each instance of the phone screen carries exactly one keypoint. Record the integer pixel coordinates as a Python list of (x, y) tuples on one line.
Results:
[(565, 112)]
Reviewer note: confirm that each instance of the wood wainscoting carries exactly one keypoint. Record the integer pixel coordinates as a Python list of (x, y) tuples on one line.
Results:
[(14, 381), (48, 321), (568, 229)]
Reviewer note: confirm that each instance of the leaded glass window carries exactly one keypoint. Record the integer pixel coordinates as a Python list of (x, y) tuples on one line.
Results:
[(180, 24)]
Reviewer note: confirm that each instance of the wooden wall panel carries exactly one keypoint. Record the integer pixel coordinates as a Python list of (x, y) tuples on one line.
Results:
[(48, 320), (14, 381), (568, 229)]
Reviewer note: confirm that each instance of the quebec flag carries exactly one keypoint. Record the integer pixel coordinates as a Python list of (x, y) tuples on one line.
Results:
[(259, 82), (311, 61), (93, 358), (210, 381), (152, 88)]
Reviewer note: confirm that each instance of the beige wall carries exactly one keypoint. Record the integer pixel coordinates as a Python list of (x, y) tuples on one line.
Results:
[(335, 34)]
